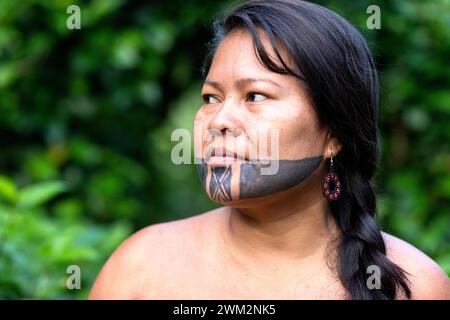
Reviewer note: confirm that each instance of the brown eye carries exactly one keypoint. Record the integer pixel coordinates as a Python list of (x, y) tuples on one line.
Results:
[(209, 99), (256, 97)]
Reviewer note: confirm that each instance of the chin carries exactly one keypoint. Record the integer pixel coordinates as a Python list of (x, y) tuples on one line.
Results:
[(251, 202)]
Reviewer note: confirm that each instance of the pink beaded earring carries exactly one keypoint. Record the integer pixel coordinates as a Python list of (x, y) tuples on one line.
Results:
[(331, 186)]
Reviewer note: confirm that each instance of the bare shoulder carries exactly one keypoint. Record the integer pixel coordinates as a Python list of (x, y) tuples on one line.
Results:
[(427, 279), (143, 257)]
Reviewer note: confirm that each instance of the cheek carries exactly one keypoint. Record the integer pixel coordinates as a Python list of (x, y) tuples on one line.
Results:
[(201, 136), (299, 134), (200, 117)]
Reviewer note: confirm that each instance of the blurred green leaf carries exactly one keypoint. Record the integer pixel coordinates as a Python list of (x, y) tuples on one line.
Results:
[(35, 195), (8, 189)]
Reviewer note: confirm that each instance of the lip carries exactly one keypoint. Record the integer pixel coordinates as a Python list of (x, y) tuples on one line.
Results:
[(217, 161), (223, 156)]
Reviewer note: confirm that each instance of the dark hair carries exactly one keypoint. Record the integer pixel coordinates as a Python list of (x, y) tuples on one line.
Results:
[(332, 60)]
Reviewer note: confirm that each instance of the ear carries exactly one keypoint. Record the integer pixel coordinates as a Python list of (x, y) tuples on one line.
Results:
[(332, 147)]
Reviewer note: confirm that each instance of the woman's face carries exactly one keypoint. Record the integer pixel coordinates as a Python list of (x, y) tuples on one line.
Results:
[(259, 133)]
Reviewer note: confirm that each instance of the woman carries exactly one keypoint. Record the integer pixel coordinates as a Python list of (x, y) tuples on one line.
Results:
[(297, 222)]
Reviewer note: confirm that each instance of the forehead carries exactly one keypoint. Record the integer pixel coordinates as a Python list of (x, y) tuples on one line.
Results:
[(236, 57)]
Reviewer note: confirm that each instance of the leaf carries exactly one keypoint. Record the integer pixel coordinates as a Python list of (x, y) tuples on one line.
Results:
[(8, 189), (37, 194)]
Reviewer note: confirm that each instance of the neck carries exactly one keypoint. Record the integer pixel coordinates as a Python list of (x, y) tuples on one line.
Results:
[(296, 226)]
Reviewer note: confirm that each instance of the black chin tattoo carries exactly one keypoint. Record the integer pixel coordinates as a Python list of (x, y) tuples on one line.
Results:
[(253, 183), (220, 185)]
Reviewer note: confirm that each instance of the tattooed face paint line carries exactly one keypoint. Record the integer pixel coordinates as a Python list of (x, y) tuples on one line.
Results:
[(220, 185), (202, 170), (253, 183)]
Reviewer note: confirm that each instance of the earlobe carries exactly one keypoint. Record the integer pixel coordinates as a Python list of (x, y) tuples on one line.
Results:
[(336, 147), (333, 147)]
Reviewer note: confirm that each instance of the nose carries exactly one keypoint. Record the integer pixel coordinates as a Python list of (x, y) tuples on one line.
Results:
[(227, 120)]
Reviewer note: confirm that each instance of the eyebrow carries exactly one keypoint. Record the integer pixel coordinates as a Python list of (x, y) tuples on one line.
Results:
[(241, 82)]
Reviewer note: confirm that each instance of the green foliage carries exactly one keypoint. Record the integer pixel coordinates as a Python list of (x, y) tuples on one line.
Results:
[(86, 118), (415, 171), (35, 249)]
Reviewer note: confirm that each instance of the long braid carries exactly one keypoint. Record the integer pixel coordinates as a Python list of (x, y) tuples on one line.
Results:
[(361, 244)]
